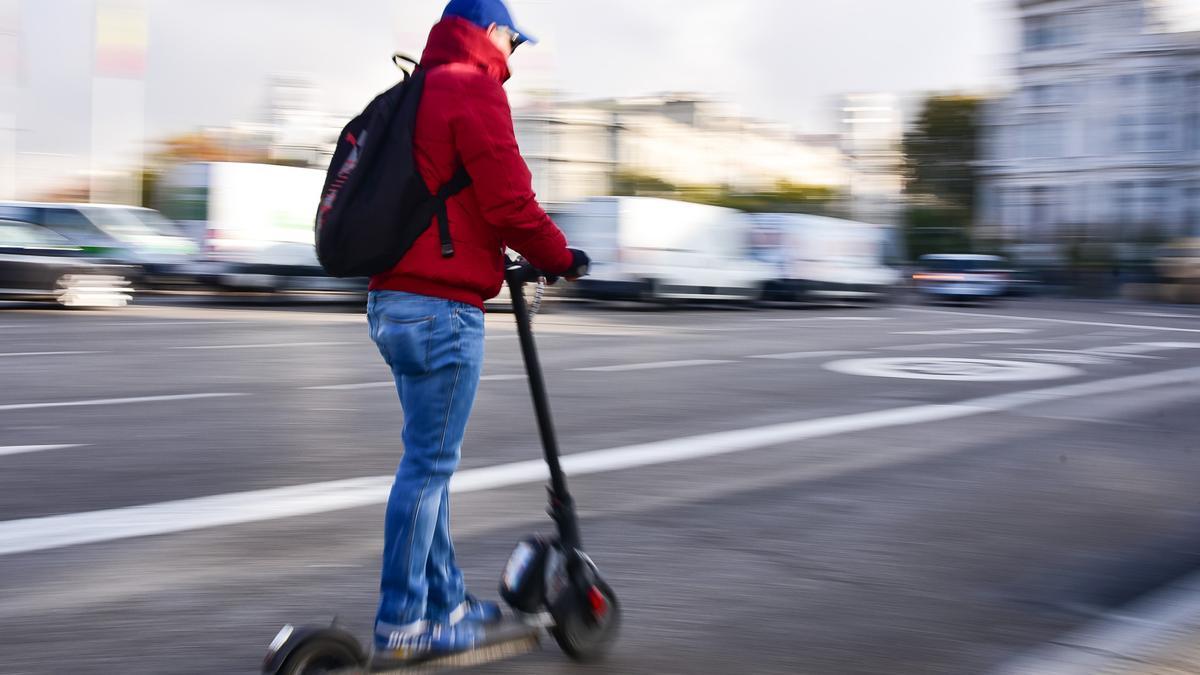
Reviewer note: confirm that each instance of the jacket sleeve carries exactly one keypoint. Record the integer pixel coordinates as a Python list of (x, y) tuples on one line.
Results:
[(487, 144)]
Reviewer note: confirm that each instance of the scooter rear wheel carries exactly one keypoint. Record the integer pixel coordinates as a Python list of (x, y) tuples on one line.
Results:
[(321, 657), (586, 625)]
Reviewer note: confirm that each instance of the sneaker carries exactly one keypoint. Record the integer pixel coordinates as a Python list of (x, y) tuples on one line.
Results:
[(475, 610), (403, 642), (424, 640)]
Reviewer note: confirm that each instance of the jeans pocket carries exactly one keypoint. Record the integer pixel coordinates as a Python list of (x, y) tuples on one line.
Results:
[(405, 343)]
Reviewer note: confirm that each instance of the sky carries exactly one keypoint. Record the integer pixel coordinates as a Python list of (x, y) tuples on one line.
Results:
[(779, 60)]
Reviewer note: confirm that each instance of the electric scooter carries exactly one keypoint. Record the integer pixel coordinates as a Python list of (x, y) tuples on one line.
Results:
[(549, 583)]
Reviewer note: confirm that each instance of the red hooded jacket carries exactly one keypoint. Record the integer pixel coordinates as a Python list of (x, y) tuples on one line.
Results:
[(465, 118)]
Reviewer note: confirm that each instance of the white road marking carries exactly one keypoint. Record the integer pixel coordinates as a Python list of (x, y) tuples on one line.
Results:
[(86, 325), (657, 365), (114, 401), (803, 355), (13, 355), (1124, 351), (1040, 341), (1071, 322), (279, 345), (185, 322), (390, 383), (829, 318), (1137, 350), (925, 347), (52, 532), (1160, 315), (1073, 358), (970, 331), (501, 378), (351, 387), (1167, 346), (27, 449), (951, 369)]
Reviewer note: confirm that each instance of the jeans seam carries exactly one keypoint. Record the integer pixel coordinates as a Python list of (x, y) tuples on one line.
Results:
[(412, 530)]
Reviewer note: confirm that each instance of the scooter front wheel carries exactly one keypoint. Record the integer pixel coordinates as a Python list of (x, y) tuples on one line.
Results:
[(586, 624)]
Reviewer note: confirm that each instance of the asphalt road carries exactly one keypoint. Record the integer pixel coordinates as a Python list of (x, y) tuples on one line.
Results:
[(764, 493)]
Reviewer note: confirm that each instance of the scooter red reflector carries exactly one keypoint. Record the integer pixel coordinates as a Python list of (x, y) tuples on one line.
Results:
[(598, 601)]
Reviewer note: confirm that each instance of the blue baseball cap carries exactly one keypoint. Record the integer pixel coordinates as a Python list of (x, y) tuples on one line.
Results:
[(484, 13)]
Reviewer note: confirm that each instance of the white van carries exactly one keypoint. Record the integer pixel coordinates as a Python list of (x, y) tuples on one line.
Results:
[(254, 223), (817, 257), (660, 249)]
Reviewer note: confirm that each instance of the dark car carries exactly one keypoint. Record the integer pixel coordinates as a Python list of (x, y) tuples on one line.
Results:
[(37, 264), (133, 236)]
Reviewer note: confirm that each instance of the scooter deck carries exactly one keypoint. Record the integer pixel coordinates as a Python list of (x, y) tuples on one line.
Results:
[(506, 640)]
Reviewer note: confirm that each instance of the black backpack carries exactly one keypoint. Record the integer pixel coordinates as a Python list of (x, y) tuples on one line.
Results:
[(375, 203)]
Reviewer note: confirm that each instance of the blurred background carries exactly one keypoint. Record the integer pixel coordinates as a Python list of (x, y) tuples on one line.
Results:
[(870, 216), (1061, 138)]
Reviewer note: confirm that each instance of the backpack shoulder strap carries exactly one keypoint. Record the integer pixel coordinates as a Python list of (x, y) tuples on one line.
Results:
[(457, 183)]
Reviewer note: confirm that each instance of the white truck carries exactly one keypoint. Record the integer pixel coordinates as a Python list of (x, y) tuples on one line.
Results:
[(817, 257), (645, 248), (253, 223)]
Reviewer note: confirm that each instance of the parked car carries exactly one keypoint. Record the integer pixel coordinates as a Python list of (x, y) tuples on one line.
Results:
[(140, 238), (38, 264), (961, 276)]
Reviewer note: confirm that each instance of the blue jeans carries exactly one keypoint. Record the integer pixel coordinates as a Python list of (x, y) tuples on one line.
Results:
[(435, 350)]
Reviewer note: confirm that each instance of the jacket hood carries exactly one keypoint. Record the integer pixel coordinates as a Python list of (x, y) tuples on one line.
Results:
[(455, 40)]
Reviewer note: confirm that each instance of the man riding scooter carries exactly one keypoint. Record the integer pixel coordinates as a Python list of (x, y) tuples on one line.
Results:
[(426, 317)]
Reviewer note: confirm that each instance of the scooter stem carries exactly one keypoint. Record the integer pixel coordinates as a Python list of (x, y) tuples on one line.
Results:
[(562, 507)]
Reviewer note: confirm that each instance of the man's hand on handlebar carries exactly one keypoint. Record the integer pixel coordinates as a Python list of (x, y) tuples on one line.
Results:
[(525, 273), (579, 265)]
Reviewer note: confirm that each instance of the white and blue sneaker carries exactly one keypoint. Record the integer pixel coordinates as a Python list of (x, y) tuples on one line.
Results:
[(424, 640), (475, 610)]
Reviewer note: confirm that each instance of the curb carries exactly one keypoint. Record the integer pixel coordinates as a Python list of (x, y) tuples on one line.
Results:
[(1159, 633)]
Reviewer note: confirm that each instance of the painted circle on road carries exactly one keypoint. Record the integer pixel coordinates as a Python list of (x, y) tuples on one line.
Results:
[(961, 370)]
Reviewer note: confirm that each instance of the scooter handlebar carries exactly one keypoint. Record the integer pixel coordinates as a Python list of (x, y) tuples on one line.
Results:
[(521, 272)]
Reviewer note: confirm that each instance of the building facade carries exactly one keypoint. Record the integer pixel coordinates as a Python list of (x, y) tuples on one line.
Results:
[(575, 149), (872, 130), (1101, 136)]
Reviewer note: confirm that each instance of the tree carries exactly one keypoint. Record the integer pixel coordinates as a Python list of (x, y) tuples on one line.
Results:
[(941, 173), (941, 152), (784, 197)]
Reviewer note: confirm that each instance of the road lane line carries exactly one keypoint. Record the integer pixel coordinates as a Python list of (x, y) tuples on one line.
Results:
[(27, 449), (13, 355), (183, 322), (52, 532), (1072, 322), (1101, 352), (926, 347), (1160, 315), (828, 318), (390, 384), (970, 331), (352, 387), (279, 345), (114, 401), (804, 355), (1040, 341), (657, 365)]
